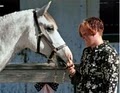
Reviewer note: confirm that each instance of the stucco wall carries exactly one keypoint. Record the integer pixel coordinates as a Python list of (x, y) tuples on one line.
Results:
[(68, 14)]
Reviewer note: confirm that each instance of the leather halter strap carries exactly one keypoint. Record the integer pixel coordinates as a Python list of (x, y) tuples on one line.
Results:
[(41, 35), (39, 31)]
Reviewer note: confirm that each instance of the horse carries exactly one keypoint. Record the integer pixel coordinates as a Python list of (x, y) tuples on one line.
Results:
[(34, 29)]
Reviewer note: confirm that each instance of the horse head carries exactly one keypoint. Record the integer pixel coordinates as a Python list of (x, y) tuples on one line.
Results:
[(46, 39)]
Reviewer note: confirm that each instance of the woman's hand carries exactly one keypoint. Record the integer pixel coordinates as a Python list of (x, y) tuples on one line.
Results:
[(71, 67)]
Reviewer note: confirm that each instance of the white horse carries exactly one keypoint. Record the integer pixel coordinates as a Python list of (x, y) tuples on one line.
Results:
[(33, 29)]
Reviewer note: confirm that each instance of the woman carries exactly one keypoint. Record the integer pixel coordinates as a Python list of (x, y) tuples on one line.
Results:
[(98, 70)]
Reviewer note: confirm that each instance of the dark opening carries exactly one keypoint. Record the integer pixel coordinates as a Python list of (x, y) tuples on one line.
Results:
[(9, 6), (109, 13)]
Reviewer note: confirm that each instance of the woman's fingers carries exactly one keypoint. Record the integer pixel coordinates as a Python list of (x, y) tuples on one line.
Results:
[(70, 64), (70, 67)]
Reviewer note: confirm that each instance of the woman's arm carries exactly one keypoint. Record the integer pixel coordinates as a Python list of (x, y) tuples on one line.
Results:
[(73, 73), (110, 69)]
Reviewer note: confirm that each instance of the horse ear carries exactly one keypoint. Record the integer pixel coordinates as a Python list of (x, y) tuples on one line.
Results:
[(43, 10)]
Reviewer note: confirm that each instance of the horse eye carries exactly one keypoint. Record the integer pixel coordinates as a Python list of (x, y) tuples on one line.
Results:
[(49, 28)]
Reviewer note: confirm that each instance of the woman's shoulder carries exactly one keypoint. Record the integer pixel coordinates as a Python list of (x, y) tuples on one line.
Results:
[(109, 49)]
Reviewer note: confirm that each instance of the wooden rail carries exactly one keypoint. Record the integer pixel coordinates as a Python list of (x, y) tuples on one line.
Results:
[(33, 73), (36, 73)]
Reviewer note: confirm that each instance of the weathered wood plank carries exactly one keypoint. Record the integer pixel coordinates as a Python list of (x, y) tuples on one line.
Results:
[(33, 73)]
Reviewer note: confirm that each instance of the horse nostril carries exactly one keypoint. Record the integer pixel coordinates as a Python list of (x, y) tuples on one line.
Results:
[(61, 62)]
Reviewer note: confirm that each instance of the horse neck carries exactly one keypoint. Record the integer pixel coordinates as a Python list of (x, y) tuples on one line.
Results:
[(12, 28)]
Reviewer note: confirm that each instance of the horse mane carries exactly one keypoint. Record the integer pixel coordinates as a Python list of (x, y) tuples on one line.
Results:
[(15, 15), (11, 21), (12, 16), (13, 25)]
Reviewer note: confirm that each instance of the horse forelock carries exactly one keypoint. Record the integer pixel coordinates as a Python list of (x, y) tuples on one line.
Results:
[(50, 19)]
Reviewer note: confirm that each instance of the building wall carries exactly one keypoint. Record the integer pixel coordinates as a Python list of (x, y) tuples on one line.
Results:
[(67, 14)]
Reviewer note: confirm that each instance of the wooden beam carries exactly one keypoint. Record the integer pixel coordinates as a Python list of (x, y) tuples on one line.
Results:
[(33, 73)]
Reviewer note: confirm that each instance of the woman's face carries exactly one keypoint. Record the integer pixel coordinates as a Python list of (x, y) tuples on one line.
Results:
[(87, 37)]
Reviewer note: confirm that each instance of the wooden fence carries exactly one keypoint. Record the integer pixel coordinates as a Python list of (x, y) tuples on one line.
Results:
[(38, 72), (33, 73)]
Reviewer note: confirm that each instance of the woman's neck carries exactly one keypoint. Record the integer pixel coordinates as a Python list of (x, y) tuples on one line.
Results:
[(98, 42)]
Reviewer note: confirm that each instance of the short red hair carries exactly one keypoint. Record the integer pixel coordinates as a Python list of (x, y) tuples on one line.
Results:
[(92, 25)]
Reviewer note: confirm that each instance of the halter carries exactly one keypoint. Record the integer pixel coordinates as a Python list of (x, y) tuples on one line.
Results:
[(41, 35)]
